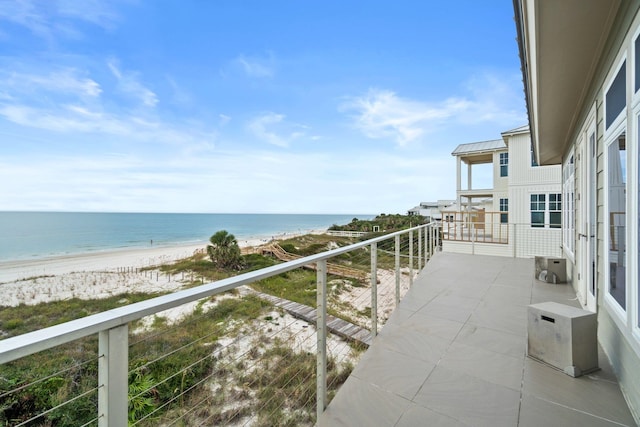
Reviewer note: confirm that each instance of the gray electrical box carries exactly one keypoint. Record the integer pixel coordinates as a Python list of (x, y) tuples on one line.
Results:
[(551, 270), (564, 337)]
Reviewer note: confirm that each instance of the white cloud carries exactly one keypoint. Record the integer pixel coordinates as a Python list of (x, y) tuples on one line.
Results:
[(224, 119), (129, 84), (97, 12), (272, 128), (67, 81), (382, 114), (180, 96), (257, 67), (52, 18)]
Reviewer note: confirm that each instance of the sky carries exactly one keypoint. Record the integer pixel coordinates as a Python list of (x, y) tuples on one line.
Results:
[(233, 106)]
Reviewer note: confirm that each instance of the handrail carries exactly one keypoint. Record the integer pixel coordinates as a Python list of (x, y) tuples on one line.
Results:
[(23, 345)]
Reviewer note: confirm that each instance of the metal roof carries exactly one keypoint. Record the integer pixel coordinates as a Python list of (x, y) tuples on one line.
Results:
[(479, 147), (521, 129)]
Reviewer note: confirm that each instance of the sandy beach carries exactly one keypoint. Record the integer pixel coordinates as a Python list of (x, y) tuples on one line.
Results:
[(99, 274)]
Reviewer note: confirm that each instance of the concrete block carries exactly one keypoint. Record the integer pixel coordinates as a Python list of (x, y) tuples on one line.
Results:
[(564, 337)]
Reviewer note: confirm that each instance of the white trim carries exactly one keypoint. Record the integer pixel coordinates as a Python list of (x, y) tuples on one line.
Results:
[(635, 96), (569, 206), (633, 249), (618, 314)]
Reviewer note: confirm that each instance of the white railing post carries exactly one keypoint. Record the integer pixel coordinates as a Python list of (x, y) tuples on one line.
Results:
[(321, 327), (473, 239), (427, 231), (411, 258), (397, 245), (374, 290), (113, 377), (431, 242), (420, 248)]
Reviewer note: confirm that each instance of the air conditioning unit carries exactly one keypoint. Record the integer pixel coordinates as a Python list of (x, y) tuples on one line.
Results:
[(551, 270), (564, 337)]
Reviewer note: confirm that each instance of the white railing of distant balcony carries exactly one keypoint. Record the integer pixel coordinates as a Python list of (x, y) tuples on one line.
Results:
[(212, 376), (490, 233)]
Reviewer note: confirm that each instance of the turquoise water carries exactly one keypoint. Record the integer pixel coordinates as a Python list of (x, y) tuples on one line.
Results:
[(31, 235)]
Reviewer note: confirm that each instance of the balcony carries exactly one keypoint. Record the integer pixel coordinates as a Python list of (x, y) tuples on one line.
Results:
[(451, 353), (454, 353)]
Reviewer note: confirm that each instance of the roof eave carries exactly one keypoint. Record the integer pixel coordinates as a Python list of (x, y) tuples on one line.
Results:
[(560, 45)]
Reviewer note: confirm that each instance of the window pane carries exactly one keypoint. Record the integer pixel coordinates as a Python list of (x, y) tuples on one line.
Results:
[(555, 220), (537, 219), (617, 175), (636, 55), (504, 164), (616, 98)]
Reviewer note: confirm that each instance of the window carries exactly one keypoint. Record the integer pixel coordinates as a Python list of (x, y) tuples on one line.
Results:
[(637, 63), (617, 188), (504, 211), (533, 157), (555, 210), (616, 97), (538, 206), (568, 218), (504, 164)]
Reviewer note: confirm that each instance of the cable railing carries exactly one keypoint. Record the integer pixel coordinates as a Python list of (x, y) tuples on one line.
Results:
[(490, 233), (229, 352)]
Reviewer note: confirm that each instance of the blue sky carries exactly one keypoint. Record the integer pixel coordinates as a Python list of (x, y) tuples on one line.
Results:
[(248, 106)]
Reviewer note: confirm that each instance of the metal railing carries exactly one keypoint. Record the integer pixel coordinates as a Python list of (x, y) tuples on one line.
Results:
[(477, 226), (113, 353), (488, 236)]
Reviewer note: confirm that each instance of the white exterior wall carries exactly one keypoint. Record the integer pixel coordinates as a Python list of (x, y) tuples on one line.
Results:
[(500, 183), (523, 174), (618, 333)]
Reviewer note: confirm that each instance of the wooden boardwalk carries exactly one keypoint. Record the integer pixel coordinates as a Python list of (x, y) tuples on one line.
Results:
[(337, 326), (338, 270)]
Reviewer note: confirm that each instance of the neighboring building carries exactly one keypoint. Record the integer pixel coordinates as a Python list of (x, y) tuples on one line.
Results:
[(519, 215), (581, 69), (432, 211)]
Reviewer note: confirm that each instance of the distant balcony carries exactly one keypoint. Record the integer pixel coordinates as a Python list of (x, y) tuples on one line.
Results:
[(490, 233)]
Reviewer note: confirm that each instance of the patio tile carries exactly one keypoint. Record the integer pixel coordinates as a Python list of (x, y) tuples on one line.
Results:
[(394, 372), (446, 311), (487, 365), (588, 394), (428, 348), (359, 400), (505, 318), (431, 325), (535, 412), (416, 415), (509, 295), (493, 340), (468, 399)]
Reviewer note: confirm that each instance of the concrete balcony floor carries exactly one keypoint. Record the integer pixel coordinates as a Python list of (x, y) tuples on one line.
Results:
[(454, 354)]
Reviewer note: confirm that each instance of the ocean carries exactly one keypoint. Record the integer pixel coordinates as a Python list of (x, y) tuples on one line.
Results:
[(33, 235)]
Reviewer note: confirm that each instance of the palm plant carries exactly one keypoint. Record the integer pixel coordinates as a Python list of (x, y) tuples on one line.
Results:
[(224, 250)]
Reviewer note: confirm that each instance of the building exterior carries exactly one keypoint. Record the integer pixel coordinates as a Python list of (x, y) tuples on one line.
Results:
[(581, 69), (519, 215), (432, 211)]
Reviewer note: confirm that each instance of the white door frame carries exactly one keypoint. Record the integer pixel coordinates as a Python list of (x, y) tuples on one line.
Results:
[(587, 227)]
